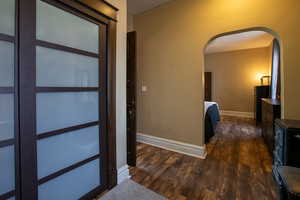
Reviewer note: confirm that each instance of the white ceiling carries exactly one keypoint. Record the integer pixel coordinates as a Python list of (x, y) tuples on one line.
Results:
[(139, 6), (238, 41)]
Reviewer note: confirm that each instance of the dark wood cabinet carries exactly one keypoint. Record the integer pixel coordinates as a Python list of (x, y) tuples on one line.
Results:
[(287, 149), (259, 93), (287, 143), (270, 112)]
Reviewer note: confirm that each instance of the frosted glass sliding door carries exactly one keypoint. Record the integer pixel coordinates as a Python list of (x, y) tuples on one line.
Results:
[(7, 100), (68, 104), (54, 99)]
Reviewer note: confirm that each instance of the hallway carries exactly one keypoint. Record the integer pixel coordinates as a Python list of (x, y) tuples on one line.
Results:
[(237, 166)]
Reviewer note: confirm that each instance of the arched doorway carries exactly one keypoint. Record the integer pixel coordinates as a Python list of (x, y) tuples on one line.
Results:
[(236, 64)]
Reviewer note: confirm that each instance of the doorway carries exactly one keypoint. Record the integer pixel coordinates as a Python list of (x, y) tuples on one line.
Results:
[(240, 67)]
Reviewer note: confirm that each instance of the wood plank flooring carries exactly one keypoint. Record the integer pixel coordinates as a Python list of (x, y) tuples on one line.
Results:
[(238, 166)]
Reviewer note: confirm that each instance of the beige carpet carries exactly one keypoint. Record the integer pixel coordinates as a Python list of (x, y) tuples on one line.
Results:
[(130, 190)]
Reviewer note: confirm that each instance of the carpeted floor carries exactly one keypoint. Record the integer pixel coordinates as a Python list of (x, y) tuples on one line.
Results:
[(130, 190)]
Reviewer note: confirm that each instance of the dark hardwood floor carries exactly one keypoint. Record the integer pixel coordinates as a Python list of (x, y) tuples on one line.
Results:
[(237, 166)]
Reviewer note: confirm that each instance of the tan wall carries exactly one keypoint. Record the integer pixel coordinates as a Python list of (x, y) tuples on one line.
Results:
[(130, 24), (234, 75), (171, 39), (121, 81)]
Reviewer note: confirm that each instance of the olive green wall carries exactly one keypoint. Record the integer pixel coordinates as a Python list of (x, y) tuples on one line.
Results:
[(171, 39)]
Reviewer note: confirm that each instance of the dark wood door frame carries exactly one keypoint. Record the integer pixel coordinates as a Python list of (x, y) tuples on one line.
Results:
[(25, 90), (131, 98)]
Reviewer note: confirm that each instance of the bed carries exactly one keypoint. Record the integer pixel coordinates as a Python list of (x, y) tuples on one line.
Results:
[(212, 117)]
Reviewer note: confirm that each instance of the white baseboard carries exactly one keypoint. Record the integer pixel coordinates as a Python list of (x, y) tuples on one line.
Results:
[(123, 174), (172, 145), (237, 113)]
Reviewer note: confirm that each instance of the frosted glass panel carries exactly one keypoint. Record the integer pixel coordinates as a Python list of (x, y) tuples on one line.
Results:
[(58, 68), (58, 26), (6, 116), (6, 63), (64, 109), (58, 152), (72, 185), (7, 17), (7, 169)]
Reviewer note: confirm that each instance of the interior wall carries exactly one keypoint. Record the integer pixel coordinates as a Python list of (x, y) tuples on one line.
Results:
[(130, 24), (121, 81), (234, 76), (171, 40)]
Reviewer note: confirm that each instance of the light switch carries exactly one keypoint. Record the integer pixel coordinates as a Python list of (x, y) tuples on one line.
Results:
[(144, 88)]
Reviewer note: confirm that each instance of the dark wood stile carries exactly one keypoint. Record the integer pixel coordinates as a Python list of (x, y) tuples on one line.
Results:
[(103, 117), (27, 99), (112, 164), (17, 191)]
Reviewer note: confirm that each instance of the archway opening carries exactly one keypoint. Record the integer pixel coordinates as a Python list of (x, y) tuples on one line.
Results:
[(242, 75)]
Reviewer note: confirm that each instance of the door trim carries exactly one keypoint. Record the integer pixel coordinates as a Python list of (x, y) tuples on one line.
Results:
[(111, 113)]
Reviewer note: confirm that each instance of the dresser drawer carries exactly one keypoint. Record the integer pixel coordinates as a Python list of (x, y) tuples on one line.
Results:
[(267, 107)]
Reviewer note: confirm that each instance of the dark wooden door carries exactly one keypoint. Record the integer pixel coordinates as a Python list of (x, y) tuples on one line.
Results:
[(131, 98), (207, 85)]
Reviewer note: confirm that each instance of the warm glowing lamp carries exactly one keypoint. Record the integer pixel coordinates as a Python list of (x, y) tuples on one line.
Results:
[(258, 76), (262, 78)]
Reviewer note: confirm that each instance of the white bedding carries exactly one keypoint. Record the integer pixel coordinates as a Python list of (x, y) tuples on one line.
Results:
[(207, 104)]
